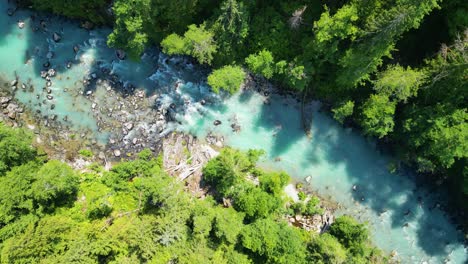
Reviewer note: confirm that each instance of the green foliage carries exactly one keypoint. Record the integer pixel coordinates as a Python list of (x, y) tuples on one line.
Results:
[(91, 10), (398, 82), (383, 29), (435, 127), (261, 63), (174, 45), (129, 32), (86, 153), (377, 115), (14, 192), (274, 182), (256, 203), (228, 78), (274, 242), (227, 169), (309, 208), (331, 30), (302, 196), (43, 241), (327, 249), (232, 20), (312, 208), (230, 26), (55, 184), (15, 148), (227, 225), (343, 111), (199, 43), (36, 189), (350, 233)]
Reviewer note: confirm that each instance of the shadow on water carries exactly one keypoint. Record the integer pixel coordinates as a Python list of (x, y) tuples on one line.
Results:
[(382, 192), (273, 118)]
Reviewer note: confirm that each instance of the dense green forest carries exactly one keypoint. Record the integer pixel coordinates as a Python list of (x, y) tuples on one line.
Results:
[(135, 213), (397, 69)]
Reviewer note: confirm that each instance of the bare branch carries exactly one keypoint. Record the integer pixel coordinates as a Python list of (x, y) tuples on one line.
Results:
[(296, 20)]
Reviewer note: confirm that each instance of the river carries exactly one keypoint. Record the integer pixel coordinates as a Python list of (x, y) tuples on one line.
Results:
[(402, 217)]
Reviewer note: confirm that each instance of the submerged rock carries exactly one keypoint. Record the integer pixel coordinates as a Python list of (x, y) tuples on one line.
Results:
[(56, 37), (11, 11), (217, 122), (50, 55), (128, 126), (235, 127), (120, 54)]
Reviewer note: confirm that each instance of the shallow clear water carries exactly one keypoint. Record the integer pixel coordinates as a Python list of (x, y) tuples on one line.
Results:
[(335, 158)]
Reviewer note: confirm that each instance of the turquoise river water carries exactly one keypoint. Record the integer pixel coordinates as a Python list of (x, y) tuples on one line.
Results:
[(402, 217)]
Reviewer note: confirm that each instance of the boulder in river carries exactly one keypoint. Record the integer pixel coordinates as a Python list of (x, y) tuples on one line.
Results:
[(120, 54), (56, 37), (217, 122), (50, 55), (12, 115), (128, 126), (11, 11), (51, 72), (117, 153), (76, 48), (4, 100), (21, 24), (14, 82), (87, 25)]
